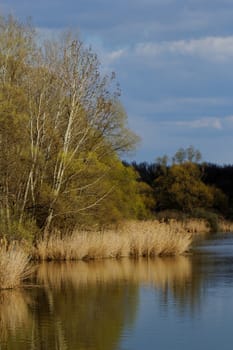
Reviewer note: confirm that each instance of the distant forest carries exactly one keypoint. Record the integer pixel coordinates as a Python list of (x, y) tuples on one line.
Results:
[(186, 185)]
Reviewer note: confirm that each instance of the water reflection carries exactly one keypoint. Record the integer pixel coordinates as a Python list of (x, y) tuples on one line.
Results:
[(125, 304), (176, 278), (88, 311), (88, 305), (159, 272), (14, 314)]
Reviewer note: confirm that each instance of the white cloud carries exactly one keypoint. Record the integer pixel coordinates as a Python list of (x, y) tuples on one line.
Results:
[(218, 123), (207, 122), (212, 123), (210, 48), (115, 55), (214, 49)]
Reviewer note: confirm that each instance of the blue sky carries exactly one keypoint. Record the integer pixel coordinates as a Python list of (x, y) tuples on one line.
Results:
[(173, 60)]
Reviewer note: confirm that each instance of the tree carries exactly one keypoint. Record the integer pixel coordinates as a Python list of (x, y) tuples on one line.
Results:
[(69, 123), (187, 189), (189, 154), (183, 189), (16, 51), (86, 125)]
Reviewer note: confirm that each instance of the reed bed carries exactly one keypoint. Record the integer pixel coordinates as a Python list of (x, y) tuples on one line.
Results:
[(14, 266), (133, 239), (196, 226), (226, 226)]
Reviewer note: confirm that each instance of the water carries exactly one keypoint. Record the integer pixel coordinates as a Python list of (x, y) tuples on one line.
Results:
[(165, 304)]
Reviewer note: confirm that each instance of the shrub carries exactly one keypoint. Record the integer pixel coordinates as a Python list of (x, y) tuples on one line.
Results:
[(210, 217)]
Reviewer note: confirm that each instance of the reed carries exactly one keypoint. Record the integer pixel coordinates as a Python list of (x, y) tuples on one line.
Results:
[(133, 239), (226, 226), (196, 226), (14, 266)]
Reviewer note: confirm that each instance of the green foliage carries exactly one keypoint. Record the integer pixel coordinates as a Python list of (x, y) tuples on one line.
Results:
[(15, 230), (220, 200), (187, 155), (181, 188), (182, 185), (210, 217), (172, 214), (62, 128), (123, 197)]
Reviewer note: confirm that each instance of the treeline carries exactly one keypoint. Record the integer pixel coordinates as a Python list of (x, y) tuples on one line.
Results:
[(62, 131), (184, 185)]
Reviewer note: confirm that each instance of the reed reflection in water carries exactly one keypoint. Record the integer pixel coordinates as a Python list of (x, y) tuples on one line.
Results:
[(88, 305), (159, 272), (15, 314)]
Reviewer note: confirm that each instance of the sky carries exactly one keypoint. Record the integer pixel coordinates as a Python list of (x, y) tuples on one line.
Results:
[(173, 60)]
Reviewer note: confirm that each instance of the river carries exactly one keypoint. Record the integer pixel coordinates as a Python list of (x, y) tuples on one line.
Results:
[(163, 303)]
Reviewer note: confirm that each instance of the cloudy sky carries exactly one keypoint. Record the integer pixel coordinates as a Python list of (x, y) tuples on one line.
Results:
[(173, 60)]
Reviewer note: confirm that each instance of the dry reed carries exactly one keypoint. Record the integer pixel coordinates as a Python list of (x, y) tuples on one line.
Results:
[(134, 239), (196, 226), (14, 266), (226, 226)]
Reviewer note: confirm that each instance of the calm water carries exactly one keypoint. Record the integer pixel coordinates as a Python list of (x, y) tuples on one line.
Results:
[(165, 304)]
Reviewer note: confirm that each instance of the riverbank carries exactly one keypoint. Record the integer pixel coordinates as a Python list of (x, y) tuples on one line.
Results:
[(131, 239)]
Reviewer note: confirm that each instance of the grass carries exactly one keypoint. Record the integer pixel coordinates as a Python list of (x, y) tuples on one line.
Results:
[(14, 266), (133, 239)]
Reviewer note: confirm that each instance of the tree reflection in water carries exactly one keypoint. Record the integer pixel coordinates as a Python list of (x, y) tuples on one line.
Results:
[(88, 305)]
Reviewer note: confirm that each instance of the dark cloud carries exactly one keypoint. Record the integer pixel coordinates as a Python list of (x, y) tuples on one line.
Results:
[(129, 21)]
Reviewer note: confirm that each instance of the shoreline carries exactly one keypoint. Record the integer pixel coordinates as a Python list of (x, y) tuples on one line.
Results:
[(134, 239)]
